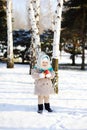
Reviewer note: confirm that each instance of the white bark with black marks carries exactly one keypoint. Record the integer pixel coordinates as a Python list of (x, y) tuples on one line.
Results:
[(9, 35), (57, 29), (36, 37), (36, 8)]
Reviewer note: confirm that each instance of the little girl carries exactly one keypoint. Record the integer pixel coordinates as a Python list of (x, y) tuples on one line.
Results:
[(43, 73)]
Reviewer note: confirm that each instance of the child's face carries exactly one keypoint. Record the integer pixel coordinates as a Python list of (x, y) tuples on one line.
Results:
[(44, 64)]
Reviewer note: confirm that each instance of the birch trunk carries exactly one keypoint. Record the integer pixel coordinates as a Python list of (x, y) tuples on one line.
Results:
[(35, 31), (56, 41), (10, 62), (36, 8), (83, 39)]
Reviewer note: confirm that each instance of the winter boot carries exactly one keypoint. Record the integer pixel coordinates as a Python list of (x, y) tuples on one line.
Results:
[(47, 107), (40, 108)]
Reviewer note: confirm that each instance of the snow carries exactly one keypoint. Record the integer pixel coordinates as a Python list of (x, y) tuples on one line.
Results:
[(18, 104)]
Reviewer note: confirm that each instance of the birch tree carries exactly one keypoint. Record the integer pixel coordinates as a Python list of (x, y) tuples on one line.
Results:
[(35, 31), (36, 8), (33, 12), (56, 41), (10, 62)]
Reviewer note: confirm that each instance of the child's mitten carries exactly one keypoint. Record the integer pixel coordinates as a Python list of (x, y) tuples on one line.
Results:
[(42, 75), (48, 75)]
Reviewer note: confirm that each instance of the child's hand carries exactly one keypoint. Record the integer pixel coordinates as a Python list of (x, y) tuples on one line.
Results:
[(42, 75), (48, 75)]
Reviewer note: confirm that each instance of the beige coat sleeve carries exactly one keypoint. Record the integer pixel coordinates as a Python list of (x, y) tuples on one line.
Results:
[(35, 74)]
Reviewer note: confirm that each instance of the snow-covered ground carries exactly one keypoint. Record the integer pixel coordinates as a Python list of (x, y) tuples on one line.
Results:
[(18, 104)]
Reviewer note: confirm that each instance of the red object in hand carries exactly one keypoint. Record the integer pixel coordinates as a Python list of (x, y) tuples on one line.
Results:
[(47, 72)]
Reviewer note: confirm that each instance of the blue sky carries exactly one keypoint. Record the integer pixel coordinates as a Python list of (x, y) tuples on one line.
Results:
[(20, 7), (19, 4)]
